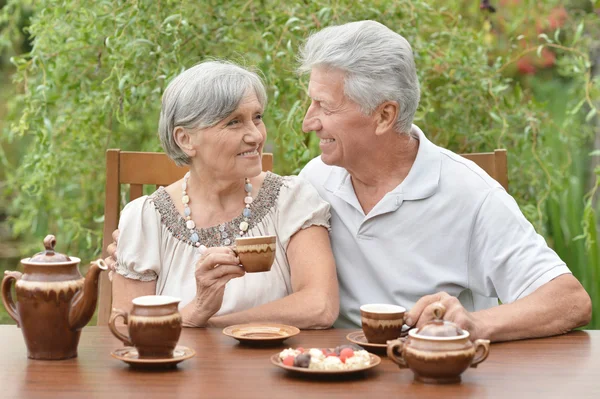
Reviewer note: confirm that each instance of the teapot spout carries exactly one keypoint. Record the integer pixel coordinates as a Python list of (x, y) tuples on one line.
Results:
[(83, 304)]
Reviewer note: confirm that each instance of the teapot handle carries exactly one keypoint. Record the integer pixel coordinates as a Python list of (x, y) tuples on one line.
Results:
[(394, 352), (7, 299), (111, 324), (484, 345)]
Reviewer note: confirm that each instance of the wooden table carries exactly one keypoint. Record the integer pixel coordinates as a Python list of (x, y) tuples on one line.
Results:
[(566, 366)]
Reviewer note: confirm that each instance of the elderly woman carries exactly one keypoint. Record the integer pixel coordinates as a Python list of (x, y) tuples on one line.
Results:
[(178, 240)]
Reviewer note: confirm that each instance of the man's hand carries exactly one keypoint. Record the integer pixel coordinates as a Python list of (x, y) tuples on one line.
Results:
[(422, 313), (111, 260)]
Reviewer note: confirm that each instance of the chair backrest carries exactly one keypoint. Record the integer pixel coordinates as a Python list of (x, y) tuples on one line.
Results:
[(136, 169), (494, 164)]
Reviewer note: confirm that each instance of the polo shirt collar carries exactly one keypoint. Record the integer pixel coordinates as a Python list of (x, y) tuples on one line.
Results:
[(422, 180), (424, 176)]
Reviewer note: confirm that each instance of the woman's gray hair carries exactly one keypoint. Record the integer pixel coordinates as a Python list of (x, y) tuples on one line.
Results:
[(201, 97), (378, 64)]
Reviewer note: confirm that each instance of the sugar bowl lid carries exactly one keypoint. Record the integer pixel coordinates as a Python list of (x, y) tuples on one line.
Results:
[(439, 327), (49, 255)]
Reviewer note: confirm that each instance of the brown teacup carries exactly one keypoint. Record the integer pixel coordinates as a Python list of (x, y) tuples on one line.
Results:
[(256, 253), (382, 322), (154, 325)]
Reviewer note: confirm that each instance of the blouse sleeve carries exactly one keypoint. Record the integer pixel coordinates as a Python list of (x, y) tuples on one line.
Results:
[(299, 207), (139, 244)]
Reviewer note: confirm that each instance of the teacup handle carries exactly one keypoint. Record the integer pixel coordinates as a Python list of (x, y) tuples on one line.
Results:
[(484, 345), (394, 352), (7, 298), (111, 324)]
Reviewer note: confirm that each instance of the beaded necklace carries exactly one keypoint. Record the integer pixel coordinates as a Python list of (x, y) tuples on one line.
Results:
[(191, 226)]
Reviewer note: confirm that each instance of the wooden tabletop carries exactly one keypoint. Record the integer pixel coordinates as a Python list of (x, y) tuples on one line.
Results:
[(566, 366)]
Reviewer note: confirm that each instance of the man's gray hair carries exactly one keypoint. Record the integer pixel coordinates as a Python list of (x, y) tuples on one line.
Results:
[(201, 97), (378, 64)]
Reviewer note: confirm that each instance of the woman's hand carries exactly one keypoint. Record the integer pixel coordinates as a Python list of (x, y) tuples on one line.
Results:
[(216, 267)]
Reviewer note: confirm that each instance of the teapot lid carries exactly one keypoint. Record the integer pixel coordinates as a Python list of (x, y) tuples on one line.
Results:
[(48, 255), (439, 327)]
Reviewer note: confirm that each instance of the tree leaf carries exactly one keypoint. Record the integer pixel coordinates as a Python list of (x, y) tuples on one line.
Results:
[(578, 33), (495, 117), (539, 50), (171, 18), (591, 114), (545, 37)]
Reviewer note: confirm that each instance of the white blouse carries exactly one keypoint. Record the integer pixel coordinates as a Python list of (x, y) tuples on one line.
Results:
[(154, 243)]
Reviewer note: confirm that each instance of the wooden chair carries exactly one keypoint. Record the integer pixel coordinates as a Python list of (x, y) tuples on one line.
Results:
[(136, 169), (494, 164), (152, 168)]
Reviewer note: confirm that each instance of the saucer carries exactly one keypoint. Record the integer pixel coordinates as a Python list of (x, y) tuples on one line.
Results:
[(130, 356), (261, 333), (358, 337), (276, 360)]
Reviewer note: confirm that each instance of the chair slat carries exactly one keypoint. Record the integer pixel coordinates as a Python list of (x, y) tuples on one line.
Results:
[(135, 191), (111, 221), (493, 163), (267, 162), (502, 167), (148, 168)]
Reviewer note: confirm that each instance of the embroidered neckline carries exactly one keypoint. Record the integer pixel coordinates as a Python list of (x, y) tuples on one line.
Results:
[(215, 236)]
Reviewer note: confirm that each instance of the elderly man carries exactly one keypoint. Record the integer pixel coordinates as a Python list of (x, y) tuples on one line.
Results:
[(412, 223)]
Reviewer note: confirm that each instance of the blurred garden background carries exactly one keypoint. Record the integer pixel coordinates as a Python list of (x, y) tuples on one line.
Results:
[(79, 77)]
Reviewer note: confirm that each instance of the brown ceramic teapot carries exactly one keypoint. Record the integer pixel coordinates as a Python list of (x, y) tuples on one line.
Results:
[(439, 352), (54, 302)]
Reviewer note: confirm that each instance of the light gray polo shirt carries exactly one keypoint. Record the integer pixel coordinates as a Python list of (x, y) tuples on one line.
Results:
[(447, 227)]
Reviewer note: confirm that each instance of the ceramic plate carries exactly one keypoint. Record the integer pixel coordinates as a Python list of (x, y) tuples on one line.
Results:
[(261, 333), (276, 360), (130, 356)]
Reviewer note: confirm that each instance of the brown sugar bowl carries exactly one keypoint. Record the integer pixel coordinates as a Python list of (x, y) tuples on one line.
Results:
[(256, 254), (439, 352)]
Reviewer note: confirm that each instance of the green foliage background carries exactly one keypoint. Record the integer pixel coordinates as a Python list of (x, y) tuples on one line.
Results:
[(96, 71)]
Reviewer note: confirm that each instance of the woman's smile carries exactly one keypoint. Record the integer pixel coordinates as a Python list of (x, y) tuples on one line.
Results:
[(249, 153)]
